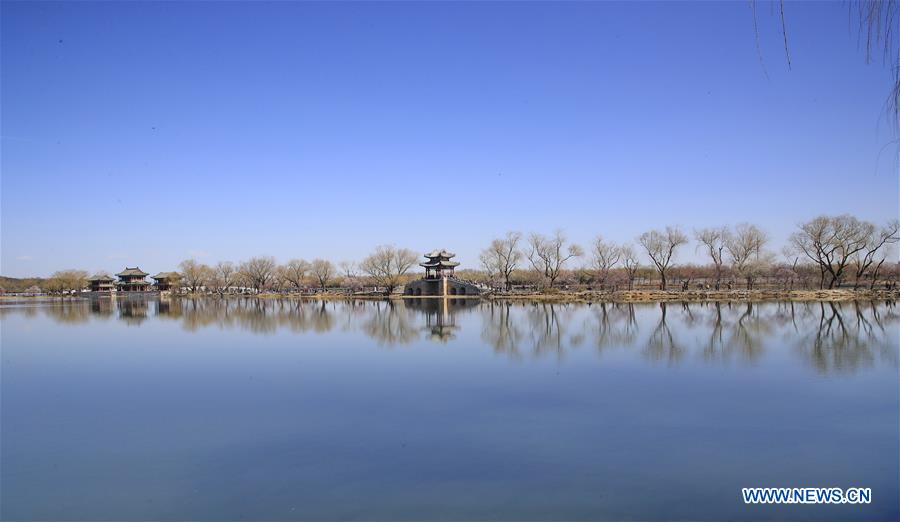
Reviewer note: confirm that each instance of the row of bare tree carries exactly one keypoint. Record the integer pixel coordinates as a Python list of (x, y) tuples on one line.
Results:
[(386, 267), (837, 246)]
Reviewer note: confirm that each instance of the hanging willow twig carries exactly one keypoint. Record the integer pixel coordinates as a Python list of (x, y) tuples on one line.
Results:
[(787, 52), (756, 34), (876, 26)]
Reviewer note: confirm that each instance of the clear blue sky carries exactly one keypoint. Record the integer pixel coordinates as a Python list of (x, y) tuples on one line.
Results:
[(146, 133)]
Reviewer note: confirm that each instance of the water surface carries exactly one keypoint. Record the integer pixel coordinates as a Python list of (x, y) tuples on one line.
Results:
[(466, 410)]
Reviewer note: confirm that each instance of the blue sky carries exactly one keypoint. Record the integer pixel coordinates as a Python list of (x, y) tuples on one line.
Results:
[(146, 133)]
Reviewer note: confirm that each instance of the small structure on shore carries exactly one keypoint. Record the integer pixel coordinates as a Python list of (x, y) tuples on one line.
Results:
[(440, 279), (164, 281), (101, 283), (132, 280)]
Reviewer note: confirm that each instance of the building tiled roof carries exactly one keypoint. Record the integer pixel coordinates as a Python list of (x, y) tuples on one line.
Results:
[(440, 253), (136, 271), (101, 277), (167, 275)]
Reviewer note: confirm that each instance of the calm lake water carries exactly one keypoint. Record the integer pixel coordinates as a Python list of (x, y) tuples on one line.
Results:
[(286, 410)]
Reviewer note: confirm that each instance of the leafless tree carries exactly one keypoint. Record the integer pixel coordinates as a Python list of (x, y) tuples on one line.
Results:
[(548, 255), (295, 272), (323, 271), (388, 265), (258, 272), (661, 247), (223, 277), (71, 280), (606, 256), (631, 263), (350, 273), (876, 244), (503, 256), (713, 241), (194, 275), (832, 242), (745, 251)]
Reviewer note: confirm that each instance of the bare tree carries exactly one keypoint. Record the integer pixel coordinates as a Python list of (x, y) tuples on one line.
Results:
[(661, 247), (194, 275), (831, 242), (258, 272), (223, 277), (350, 273), (503, 256), (388, 265), (606, 256), (295, 272), (876, 243), (631, 263), (548, 255), (71, 280), (323, 271), (745, 250), (713, 241)]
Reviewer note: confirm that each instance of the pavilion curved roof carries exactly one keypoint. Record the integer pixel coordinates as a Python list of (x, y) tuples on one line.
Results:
[(440, 253), (136, 271), (101, 277), (167, 275)]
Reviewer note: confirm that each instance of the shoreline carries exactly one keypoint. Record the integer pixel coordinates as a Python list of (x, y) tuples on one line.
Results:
[(561, 297), (661, 296)]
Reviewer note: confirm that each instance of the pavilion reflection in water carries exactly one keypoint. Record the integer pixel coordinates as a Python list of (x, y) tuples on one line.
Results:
[(830, 337), (441, 315)]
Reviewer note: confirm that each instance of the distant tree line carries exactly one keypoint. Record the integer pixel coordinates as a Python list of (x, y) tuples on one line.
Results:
[(840, 250), (825, 252)]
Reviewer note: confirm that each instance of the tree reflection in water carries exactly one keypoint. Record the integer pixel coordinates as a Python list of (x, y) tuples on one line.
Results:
[(500, 329), (849, 336), (612, 325), (548, 329), (830, 337), (662, 344)]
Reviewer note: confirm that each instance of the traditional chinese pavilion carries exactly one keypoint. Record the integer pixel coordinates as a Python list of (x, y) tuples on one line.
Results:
[(101, 283), (166, 280), (439, 264), (132, 280), (439, 280)]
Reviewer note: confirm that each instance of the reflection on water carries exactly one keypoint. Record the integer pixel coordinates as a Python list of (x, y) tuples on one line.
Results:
[(258, 409), (831, 337)]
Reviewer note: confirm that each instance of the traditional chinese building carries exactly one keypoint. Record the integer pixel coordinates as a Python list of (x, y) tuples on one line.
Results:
[(164, 281), (101, 283), (439, 264), (132, 280), (439, 278)]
